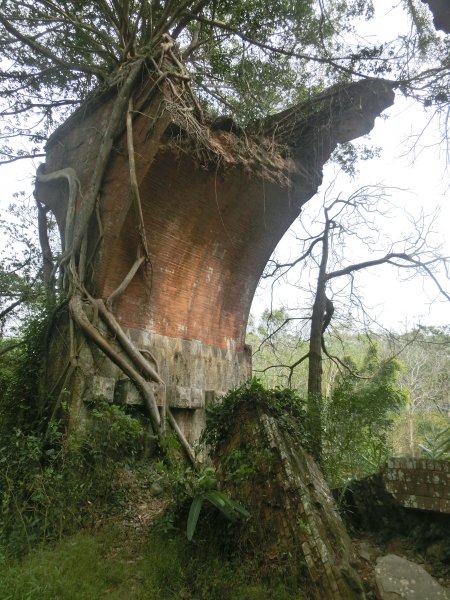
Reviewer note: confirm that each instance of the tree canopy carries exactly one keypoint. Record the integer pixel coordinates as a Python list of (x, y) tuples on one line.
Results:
[(244, 58)]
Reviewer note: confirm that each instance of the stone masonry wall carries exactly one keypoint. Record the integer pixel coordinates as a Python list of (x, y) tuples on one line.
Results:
[(419, 483), (195, 374)]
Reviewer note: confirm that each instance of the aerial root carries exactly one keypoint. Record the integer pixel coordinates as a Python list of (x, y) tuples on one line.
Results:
[(74, 260), (140, 371), (126, 281), (81, 319)]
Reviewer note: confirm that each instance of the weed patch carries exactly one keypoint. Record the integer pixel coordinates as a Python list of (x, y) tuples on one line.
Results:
[(116, 563)]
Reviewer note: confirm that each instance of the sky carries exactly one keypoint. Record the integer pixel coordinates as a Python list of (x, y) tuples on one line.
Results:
[(414, 160), (417, 171)]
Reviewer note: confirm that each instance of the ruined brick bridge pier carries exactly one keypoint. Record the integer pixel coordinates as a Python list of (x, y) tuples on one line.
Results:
[(214, 206)]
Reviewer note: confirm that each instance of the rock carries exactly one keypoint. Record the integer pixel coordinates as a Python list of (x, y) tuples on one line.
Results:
[(401, 579), (100, 389), (366, 551)]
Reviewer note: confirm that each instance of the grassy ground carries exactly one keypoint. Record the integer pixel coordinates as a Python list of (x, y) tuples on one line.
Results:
[(119, 562)]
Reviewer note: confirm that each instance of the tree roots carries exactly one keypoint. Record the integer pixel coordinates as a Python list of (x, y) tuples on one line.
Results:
[(74, 261)]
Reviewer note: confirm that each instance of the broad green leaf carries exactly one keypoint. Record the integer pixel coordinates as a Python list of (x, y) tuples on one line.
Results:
[(194, 513)]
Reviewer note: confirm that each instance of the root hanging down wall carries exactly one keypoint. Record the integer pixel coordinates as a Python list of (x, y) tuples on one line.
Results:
[(213, 204)]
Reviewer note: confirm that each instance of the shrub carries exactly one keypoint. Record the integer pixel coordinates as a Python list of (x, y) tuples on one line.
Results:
[(53, 484), (284, 404)]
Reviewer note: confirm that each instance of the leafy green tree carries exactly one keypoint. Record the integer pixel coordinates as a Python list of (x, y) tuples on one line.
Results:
[(22, 294), (21, 289), (358, 417), (425, 353), (245, 58)]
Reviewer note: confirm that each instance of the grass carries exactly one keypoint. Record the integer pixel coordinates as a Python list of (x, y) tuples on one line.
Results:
[(122, 563), (79, 567)]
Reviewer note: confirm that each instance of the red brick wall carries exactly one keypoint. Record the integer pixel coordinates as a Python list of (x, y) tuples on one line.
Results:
[(210, 236), (210, 232)]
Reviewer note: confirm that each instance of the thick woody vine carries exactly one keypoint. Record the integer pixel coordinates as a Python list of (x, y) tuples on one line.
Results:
[(92, 319)]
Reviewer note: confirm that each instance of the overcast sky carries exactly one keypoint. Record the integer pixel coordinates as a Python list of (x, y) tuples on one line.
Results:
[(414, 159), (418, 170)]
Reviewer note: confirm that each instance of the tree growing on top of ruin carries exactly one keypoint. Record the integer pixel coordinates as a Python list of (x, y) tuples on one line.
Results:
[(61, 60), (244, 59)]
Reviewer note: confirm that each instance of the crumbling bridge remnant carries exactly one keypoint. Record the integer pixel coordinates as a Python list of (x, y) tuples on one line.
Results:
[(215, 201)]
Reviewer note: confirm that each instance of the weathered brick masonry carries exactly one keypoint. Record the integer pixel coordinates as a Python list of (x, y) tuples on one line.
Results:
[(210, 228), (441, 14), (419, 483)]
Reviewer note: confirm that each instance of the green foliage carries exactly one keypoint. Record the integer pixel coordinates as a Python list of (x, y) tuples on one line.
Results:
[(418, 387), (281, 403), (231, 509), (438, 447), (348, 155), (195, 486), (52, 484), (88, 566), (21, 289), (8, 365), (249, 58), (74, 568), (413, 429), (113, 433), (425, 353), (358, 417), (20, 403)]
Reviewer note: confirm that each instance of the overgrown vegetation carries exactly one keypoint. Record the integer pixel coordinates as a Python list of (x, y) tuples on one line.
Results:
[(201, 58), (358, 418), (386, 395), (438, 446), (282, 403), (52, 486), (53, 482), (121, 564), (54, 479), (56, 484)]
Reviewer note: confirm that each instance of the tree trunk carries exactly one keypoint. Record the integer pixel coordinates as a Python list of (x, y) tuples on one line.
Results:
[(411, 437), (315, 350)]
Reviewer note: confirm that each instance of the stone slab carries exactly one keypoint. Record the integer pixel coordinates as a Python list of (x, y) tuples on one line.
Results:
[(400, 579), (100, 389)]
